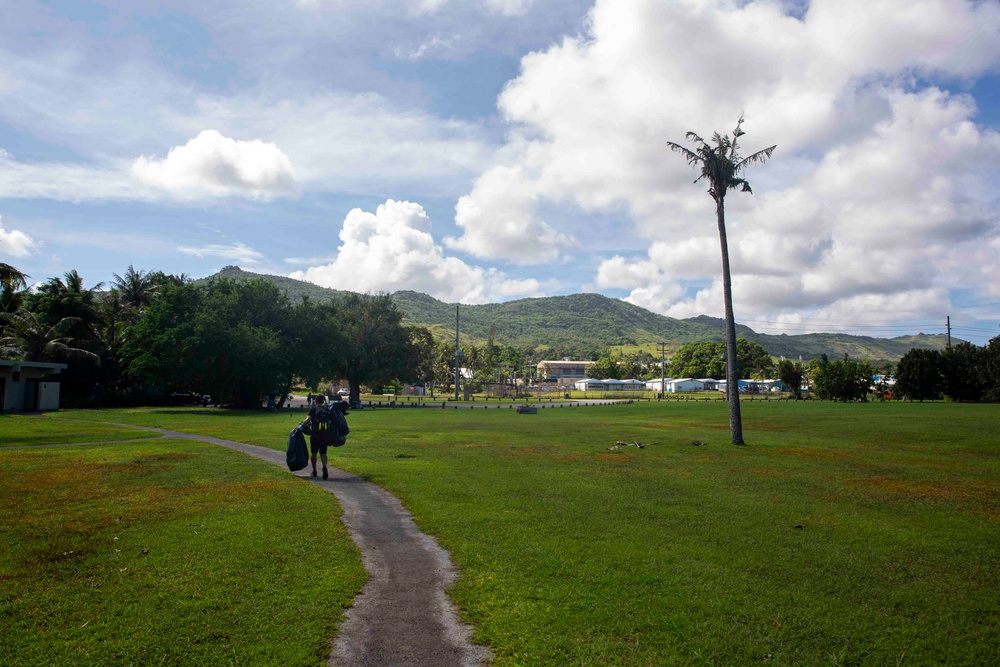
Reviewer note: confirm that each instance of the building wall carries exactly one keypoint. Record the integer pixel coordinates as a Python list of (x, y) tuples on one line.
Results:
[(563, 369), (48, 395), (29, 377)]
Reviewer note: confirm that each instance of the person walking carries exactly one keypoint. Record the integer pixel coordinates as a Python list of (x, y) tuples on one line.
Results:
[(319, 427)]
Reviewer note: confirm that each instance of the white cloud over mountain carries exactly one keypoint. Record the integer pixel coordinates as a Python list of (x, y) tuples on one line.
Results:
[(15, 242), (217, 165), (392, 249), (236, 252), (878, 171)]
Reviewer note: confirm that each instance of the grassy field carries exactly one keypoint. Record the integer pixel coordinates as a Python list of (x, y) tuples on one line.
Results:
[(165, 552), (846, 534), (16, 430)]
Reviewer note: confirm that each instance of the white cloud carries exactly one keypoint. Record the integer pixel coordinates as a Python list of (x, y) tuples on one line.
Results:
[(392, 249), (501, 7), (499, 220), (237, 252), (15, 242), (877, 173), (211, 164)]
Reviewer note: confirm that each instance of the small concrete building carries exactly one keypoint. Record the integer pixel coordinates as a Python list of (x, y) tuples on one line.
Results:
[(679, 385), (565, 371), (26, 387), (610, 385)]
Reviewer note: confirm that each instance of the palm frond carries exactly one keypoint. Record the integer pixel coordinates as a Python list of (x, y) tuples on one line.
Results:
[(758, 157), (689, 155), (12, 278)]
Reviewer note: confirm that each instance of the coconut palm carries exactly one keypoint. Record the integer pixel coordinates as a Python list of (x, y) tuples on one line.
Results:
[(26, 334), (137, 287), (722, 166), (11, 278), (13, 287)]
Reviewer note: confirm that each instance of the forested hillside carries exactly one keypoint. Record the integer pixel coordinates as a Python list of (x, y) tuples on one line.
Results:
[(583, 325)]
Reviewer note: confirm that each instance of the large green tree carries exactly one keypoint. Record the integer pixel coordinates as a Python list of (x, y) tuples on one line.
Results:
[(699, 360), (377, 343), (722, 166), (844, 380), (918, 375), (963, 372), (708, 360), (991, 371), (235, 340), (790, 373)]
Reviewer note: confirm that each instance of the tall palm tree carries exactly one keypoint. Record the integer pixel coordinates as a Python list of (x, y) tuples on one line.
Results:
[(13, 287), (137, 287), (25, 333), (11, 278), (721, 165)]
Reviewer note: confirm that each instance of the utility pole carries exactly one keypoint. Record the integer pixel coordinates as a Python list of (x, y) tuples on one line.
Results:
[(663, 370), (948, 323), (458, 354)]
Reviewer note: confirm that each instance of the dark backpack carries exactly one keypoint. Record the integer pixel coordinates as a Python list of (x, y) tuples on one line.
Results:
[(338, 428)]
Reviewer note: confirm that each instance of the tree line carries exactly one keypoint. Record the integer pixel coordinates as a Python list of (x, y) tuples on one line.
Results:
[(149, 334)]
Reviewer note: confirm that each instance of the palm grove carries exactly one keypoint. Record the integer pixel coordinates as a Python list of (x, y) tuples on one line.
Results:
[(147, 335)]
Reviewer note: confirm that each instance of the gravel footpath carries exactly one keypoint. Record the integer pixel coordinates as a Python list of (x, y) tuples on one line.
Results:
[(402, 616)]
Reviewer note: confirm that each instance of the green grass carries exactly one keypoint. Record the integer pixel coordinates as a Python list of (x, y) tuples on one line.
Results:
[(165, 552), (846, 534), (683, 554), (19, 430)]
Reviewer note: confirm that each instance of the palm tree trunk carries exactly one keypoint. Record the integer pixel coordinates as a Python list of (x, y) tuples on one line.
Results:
[(732, 377)]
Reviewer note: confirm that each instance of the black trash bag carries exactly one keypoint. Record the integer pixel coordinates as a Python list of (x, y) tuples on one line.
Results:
[(297, 454)]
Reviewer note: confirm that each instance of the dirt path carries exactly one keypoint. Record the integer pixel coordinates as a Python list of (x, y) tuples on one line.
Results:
[(402, 616)]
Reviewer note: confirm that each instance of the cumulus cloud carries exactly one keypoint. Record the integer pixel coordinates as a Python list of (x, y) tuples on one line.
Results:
[(877, 173), (500, 221), (214, 164), (15, 242), (501, 7), (393, 249), (237, 252)]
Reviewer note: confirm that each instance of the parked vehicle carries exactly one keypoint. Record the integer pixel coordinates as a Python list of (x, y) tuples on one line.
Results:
[(180, 398)]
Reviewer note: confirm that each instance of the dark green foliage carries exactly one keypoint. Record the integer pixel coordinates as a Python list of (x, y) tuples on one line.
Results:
[(235, 340), (991, 371), (699, 360), (707, 360), (378, 346), (35, 340), (918, 375), (790, 373), (962, 373), (845, 380)]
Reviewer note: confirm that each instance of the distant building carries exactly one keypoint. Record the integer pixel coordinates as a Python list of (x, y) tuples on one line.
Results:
[(562, 372), (24, 386), (681, 385), (609, 385)]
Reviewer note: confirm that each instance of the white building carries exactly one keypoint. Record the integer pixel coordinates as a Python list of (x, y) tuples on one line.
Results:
[(609, 385), (24, 386), (681, 385)]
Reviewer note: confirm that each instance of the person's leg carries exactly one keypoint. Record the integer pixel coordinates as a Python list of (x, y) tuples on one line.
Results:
[(315, 451), (323, 455)]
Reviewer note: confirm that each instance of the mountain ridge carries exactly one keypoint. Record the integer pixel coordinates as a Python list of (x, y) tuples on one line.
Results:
[(585, 324)]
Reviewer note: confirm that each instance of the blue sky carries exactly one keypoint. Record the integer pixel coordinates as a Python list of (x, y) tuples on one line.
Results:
[(486, 150)]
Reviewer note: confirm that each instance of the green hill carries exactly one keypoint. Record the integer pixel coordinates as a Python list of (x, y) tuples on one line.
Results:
[(582, 324)]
